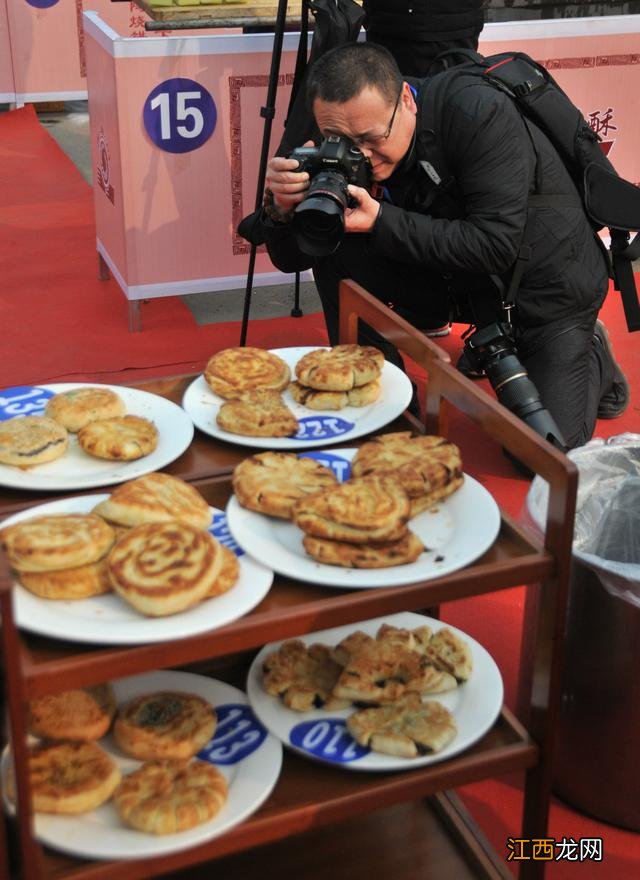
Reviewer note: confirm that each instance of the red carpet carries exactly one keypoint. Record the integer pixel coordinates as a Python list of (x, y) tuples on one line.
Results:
[(59, 322)]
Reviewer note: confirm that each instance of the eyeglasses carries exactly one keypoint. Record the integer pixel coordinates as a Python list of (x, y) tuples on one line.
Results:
[(374, 140)]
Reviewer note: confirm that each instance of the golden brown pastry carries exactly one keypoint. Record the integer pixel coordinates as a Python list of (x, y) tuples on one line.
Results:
[(68, 777), (228, 575), (406, 729), (235, 370), (164, 568), (363, 395), (358, 511), (427, 467), (271, 482), (81, 582), (76, 408), (302, 676), (29, 440), (164, 797), (81, 714), (56, 541), (449, 652), (155, 498), (383, 554), (164, 725), (340, 368), (260, 413), (125, 438)]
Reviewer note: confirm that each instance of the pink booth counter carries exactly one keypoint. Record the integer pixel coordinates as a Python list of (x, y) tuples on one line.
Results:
[(176, 133)]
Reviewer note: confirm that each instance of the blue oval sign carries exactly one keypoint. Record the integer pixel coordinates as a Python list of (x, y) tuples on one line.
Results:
[(219, 528), (238, 734), (179, 115), (23, 400), (42, 4), (322, 427), (327, 739), (339, 465)]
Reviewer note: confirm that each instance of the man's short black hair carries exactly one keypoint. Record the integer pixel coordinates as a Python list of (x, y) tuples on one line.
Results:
[(343, 72)]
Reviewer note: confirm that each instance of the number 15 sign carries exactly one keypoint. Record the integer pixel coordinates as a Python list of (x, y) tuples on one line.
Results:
[(179, 115)]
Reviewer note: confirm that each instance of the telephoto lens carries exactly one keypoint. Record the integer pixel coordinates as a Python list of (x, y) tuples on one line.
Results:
[(492, 349)]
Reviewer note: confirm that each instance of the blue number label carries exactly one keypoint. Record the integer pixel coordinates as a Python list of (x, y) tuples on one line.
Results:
[(219, 528), (238, 734), (179, 115), (340, 466), (23, 400), (327, 739), (42, 4), (321, 427)]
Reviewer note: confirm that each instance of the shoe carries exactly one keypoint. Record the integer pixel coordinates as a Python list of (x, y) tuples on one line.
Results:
[(614, 401), (466, 366), (437, 332)]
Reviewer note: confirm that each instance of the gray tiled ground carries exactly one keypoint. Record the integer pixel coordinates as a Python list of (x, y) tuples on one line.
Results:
[(71, 131)]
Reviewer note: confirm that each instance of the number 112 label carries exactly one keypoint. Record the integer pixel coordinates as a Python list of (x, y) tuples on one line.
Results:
[(179, 115)]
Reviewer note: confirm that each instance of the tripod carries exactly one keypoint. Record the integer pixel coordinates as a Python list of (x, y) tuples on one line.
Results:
[(268, 112)]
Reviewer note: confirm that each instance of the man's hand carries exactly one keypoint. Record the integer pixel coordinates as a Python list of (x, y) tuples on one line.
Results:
[(287, 184), (362, 218)]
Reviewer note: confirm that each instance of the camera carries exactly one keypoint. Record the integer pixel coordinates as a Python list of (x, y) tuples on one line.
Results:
[(493, 350), (318, 221)]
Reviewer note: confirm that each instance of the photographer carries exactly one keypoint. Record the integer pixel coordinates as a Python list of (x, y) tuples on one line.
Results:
[(433, 256)]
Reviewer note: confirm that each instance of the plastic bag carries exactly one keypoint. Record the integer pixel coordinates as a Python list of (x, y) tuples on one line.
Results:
[(606, 535)]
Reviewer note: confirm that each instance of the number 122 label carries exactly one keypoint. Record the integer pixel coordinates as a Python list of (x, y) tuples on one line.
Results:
[(179, 115)]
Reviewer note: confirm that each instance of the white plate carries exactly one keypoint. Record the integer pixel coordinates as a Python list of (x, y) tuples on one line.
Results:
[(323, 736), (457, 531), (78, 470), (241, 749), (109, 620), (317, 428)]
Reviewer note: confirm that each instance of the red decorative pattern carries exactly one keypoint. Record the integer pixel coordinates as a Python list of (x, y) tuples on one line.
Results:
[(591, 61), (82, 58), (236, 85)]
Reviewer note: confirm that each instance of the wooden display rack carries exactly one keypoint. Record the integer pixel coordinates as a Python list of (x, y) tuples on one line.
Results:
[(308, 795), (266, 9)]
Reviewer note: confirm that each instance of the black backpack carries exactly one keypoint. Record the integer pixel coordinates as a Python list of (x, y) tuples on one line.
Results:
[(608, 199)]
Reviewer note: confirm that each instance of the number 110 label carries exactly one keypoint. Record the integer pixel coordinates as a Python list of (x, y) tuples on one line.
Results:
[(179, 115)]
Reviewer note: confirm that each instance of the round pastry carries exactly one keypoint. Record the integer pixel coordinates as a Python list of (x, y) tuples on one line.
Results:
[(68, 777), (163, 797), (362, 395), (82, 714), (81, 582), (164, 568), (229, 573), (166, 725), (272, 482), (423, 464), (234, 370), (76, 408), (57, 541), (374, 555), (30, 440), (125, 438), (340, 368), (155, 498), (358, 511), (259, 413)]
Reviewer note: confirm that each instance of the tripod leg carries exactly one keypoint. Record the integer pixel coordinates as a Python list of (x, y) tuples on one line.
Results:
[(267, 112), (296, 311)]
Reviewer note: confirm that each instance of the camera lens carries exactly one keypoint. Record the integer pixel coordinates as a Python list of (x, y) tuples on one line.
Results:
[(318, 221)]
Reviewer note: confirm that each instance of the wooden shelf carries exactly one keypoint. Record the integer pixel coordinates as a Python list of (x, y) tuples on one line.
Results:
[(310, 796), (252, 9)]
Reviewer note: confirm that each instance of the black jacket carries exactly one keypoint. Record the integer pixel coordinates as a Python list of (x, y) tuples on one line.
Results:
[(423, 19), (490, 154)]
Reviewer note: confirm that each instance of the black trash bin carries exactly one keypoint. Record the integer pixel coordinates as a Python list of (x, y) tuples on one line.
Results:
[(597, 769)]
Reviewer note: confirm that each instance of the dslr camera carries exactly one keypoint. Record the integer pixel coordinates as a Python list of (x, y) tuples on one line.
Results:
[(492, 349), (318, 221)]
